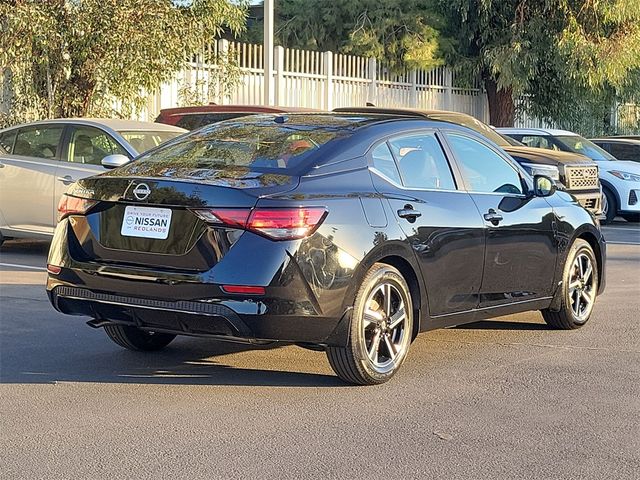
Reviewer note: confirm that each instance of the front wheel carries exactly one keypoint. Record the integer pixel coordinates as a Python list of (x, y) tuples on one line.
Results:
[(609, 206), (135, 339), (381, 329), (579, 289)]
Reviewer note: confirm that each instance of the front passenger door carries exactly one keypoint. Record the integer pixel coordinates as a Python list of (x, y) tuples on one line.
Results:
[(521, 248)]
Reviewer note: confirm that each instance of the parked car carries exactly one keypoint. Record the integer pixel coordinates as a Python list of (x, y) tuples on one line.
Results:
[(620, 179), (627, 149), (38, 162), (348, 233), (574, 173), (198, 116)]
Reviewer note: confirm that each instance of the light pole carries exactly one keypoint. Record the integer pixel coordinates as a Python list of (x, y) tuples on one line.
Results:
[(267, 52)]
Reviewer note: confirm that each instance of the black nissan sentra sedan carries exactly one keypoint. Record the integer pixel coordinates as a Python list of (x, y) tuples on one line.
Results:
[(349, 233)]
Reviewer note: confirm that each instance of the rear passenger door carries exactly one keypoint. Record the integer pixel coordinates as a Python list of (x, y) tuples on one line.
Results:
[(27, 178), (440, 220)]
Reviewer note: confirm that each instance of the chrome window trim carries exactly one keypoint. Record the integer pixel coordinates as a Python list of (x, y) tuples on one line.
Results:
[(402, 187)]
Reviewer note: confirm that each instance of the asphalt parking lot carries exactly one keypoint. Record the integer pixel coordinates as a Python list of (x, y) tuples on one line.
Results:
[(506, 398)]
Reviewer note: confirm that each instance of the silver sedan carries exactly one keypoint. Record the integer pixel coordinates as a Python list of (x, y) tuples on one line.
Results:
[(40, 160)]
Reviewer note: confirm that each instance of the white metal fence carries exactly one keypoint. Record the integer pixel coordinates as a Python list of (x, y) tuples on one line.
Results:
[(322, 80)]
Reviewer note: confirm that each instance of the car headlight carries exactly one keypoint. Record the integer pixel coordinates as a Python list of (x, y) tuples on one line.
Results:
[(547, 170), (632, 177)]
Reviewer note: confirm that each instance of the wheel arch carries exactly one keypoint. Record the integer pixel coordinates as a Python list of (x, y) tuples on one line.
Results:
[(401, 257), (609, 186), (592, 240)]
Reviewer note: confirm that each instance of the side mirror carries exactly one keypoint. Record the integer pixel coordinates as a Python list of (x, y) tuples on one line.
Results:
[(115, 160), (543, 186)]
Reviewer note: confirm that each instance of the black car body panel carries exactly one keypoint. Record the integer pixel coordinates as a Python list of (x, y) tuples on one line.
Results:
[(460, 268)]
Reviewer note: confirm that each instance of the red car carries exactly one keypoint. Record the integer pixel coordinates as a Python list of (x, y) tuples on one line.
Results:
[(201, 115)]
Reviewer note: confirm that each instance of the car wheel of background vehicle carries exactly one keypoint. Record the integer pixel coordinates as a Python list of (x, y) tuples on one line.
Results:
[(632, 217), (135, 339), (579, 289), (381, 329), (609, 206)]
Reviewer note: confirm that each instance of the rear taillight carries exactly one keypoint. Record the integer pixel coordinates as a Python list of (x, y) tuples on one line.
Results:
[(275, 223), (73, 206)]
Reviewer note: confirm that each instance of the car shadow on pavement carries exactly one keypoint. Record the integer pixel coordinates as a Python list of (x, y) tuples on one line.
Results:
[(40, 345), (503, 325)]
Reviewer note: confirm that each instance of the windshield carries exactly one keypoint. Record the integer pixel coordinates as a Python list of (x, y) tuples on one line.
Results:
[(578, 144), (263, 146), (142, 141), (472, 123)]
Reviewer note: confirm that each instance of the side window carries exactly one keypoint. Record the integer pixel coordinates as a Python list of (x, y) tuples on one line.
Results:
[(6, 141), (90, 145), (421, 162), (606, 146), (482, 168), (624, 152), (536, 142), (383, 162), (38, 141)]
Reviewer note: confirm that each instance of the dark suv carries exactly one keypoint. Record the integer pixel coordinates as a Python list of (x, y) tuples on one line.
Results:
[(577, 174)]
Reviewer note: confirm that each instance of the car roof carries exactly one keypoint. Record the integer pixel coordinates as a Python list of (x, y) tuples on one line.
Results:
[(413, 112), (536, 131), (213, 108), (629, 141), (112, 123)]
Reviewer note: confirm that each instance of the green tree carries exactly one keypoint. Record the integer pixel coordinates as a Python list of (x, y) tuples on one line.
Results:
[(66, 58), (402, 32), (558, 52)]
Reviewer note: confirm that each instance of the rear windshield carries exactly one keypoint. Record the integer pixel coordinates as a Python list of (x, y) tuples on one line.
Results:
[(263, 146)]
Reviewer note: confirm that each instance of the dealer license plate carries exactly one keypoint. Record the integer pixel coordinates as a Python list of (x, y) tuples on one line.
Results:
[(146, 222)]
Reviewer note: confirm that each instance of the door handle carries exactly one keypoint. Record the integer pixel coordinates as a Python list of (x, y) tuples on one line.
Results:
[(493, 217), (67, 179), (409, 213)]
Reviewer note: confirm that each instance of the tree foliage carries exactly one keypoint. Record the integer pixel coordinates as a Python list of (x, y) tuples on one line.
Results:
[(402, 32), (555, 51), (74, 57)]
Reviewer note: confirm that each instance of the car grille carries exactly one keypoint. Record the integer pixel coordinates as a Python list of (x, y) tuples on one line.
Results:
[(581, 178), (589, 203)]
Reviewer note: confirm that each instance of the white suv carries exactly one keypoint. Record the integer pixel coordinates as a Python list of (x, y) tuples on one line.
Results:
[(620, 180)]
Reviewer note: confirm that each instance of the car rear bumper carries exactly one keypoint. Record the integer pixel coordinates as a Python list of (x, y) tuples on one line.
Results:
[(245, 320)]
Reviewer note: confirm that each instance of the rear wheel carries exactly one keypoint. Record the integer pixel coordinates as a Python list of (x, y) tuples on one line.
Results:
[(135, 339), (381, 329), (632, 217), (579, 289), (609, 206)]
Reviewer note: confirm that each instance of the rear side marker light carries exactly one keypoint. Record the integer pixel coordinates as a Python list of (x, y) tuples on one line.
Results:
[(69, 205), (53, 269), (275, 223), (245, 289)]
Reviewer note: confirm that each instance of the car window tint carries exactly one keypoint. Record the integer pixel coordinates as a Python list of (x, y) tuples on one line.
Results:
[(6, 141), (482, 168), (38, 141), (421, 162), (90, 145), (383, 162), (624, 152)]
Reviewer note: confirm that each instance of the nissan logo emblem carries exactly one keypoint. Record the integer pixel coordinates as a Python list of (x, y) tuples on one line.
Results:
[(141, 191)]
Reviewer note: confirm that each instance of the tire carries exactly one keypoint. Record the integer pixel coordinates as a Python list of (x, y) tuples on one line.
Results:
[(380, 331), (632, 217), (578, 285), (609, 207), (135, 339)]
